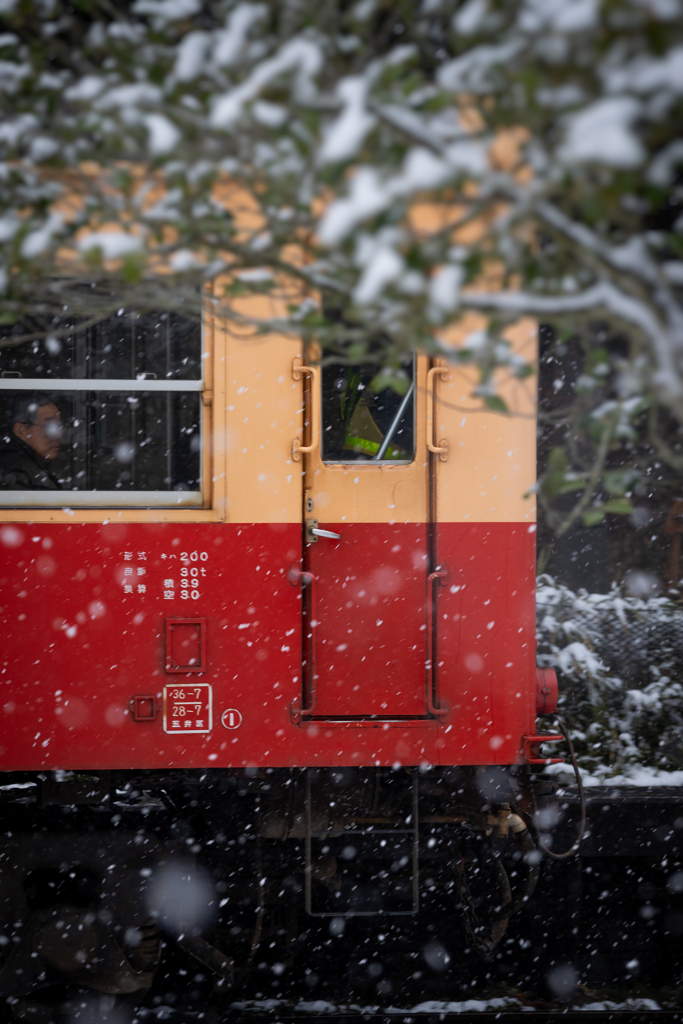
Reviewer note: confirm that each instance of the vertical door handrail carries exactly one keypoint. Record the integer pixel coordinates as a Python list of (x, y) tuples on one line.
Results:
[(442, 448), (298, 369), (306, 706), (435, 706)]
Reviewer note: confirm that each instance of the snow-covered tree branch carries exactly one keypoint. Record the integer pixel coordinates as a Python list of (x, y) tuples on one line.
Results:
[(293, 149)]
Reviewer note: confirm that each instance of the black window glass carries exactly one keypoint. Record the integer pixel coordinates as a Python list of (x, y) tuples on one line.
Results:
[(364, 419), (145, 438), (138, 442), (159, 346)]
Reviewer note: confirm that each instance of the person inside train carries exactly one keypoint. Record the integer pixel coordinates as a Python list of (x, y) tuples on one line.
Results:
[(34, 427)]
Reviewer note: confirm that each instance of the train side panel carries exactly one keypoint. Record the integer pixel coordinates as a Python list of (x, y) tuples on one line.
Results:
[(89, 680)]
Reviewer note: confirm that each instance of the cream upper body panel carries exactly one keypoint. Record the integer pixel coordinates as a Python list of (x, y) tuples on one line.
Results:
[(263, 415), (491, 466), (487, 476)]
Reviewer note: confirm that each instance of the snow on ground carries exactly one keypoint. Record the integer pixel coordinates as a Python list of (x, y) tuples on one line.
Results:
[(634, 775), (319, 1006)]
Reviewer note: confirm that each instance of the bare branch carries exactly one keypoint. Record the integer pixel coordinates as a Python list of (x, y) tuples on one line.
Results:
[(593, 479), (602, 296)]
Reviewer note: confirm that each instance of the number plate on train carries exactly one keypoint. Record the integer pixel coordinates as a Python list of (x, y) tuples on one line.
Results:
[(187, 708)]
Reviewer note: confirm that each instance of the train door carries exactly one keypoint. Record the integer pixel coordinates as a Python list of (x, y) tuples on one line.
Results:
[(367, 540)]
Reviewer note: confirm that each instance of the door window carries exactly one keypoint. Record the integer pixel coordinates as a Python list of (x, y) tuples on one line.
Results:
[(364, 419)]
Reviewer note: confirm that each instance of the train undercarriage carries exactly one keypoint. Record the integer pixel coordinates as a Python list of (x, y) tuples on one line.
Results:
[(148, 889)]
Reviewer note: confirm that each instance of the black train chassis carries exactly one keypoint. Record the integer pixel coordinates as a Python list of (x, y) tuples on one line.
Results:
[(393, 884)]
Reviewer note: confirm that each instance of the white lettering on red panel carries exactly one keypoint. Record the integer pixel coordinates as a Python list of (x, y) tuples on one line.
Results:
[(187, 708), (185, 580)]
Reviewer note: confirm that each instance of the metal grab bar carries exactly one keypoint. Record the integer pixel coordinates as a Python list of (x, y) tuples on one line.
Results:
[(435, 706), (297, 371), (442, 450), (394, 426), (306, 706)]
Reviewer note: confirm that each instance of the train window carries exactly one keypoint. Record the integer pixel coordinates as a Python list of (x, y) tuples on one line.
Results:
[(110, 412), (363, 420)]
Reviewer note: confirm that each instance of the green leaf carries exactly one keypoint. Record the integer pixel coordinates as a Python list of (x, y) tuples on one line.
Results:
[(388, 377), (567, 486), (593, 516), (598, 359), (619, 506), (558, 479), (93, 257), (557, 461), (522, 372), (619, 481), (133, 265), (495, 403), (554, 484)]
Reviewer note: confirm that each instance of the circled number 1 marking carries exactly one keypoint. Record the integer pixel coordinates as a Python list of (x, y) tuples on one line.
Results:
[(231, 719)]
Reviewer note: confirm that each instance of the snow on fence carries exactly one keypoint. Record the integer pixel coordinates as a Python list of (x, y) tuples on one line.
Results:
[(619, 661)]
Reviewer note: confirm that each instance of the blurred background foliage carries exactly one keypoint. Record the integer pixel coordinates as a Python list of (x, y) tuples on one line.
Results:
[(283, 148)]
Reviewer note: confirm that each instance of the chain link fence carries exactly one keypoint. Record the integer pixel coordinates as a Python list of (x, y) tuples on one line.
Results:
[(619, 661)]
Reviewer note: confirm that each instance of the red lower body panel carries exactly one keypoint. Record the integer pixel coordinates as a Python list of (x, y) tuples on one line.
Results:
[(368, 655), (84, 611)]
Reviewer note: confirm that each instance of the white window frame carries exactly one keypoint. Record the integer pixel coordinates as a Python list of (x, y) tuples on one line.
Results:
[(103, 499)]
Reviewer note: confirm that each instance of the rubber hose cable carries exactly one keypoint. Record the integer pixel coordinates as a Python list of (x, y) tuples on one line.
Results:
[(499, 926), (582, 797)]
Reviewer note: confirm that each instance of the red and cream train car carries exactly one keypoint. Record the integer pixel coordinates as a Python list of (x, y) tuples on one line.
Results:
[(256, 563), (280, 596)]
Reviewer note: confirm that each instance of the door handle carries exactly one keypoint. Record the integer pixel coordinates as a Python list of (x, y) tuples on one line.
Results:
[(312, 532), (442, 449), (297, 370)]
